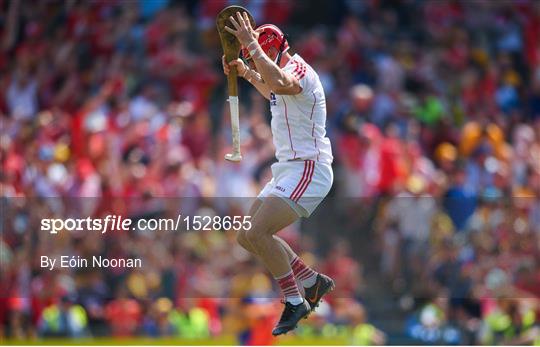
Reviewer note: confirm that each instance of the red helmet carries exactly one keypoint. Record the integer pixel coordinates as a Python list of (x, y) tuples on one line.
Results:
[(269, 36)]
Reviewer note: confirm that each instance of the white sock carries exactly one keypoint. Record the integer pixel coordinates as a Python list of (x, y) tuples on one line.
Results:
[(306, 275), (310, 281), (295, 300)]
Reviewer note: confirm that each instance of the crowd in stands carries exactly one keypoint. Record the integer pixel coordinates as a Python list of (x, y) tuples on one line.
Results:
[(119, 107)]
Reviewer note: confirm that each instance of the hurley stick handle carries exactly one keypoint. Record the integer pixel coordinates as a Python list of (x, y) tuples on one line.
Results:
[(231, 49), (232, 81)]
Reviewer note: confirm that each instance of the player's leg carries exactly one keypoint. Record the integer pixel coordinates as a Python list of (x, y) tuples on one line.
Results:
[(273, 215), (306, 275), (315, 284), (246, 244), (242, 239), (241, 234), (303, 273), (266, 192)]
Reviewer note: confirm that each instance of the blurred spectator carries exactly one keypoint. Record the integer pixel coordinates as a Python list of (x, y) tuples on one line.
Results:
[(64, 319), (21, 96), (123, 315)]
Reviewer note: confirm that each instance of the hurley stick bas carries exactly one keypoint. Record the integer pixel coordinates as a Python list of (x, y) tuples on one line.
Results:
[(231, 49)]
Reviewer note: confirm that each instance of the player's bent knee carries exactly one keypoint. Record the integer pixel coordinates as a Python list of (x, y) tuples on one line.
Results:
[(253, 236)]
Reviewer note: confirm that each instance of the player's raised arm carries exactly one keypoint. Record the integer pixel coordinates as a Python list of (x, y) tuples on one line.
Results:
[(277, 80), (248, 74)]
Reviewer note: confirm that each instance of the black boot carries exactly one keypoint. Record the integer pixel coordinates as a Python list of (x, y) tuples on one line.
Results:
[(314, 294), (290, 317)]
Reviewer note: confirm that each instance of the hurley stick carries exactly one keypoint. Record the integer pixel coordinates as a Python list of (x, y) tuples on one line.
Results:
[(231, 49)]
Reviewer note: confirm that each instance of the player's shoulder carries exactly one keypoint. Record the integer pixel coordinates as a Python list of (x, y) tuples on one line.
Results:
[(299, 68)]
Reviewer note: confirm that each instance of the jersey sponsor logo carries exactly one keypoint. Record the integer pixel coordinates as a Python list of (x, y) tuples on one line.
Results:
[(273, 100), (280, 188)]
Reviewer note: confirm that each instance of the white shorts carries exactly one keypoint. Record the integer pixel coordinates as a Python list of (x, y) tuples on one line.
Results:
[(302, 184)]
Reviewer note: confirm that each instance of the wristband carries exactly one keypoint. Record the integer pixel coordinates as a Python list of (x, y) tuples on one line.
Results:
[(252, 42), (255, 54)]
